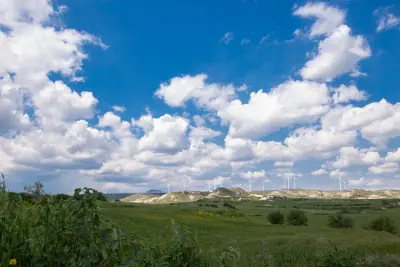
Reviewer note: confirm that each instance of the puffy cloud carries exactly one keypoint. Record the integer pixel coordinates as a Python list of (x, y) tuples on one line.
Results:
[(311, 141), (77, 146), (337, 173), (119, 127), (292, 102), (360, 181), (328, 18), (283, 164), (319, 172), (380, 131), (345, 94), (387, 167), (386, 19), (181, 89), (393, 156), (12, 107), (377, 122), (50, 129), (56, 101), (32, 51), (199, 121), (253, 175), (14, 13), (165, 134), (203, 133), (354, 156), (236, 149), (338, 54)]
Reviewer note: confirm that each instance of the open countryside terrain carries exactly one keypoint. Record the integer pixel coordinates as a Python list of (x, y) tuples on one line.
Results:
[(86, 229), (247, 226)]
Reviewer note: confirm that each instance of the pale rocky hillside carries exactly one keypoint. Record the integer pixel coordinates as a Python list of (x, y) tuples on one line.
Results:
[(239, 194)]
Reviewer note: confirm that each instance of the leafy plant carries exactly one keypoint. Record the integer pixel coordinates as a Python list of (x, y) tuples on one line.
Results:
[(297, 217), (56, 232), (339, 220), (276, 217)]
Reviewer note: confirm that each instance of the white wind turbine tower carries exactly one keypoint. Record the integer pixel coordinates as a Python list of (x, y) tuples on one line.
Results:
[(345, 183), (250, 184), (340, 182), (168, 187), (285, 183), (184, 184), (294, 182), (287, 179), (266, 180), (363, 183)]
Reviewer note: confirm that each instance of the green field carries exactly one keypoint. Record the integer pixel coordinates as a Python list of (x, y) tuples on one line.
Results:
[(151, 223)]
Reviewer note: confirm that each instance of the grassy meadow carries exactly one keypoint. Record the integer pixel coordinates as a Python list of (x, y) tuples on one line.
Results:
[(85, 229), (150, 222)]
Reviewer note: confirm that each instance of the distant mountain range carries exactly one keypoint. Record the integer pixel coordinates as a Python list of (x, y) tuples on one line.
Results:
[(238, 194)]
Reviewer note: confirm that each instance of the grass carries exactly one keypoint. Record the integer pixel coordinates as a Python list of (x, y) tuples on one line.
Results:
[(82, 231), (149, 222)]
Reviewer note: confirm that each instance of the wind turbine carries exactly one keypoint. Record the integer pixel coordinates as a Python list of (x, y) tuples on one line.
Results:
[(288, 181), (168, 187), (340, 182), (250, 184), (345, 184), (284, 184), (363, 183), (264, 182), (294, 182)]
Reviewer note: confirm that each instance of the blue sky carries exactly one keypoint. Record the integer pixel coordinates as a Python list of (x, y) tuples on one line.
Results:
[(313, 61)]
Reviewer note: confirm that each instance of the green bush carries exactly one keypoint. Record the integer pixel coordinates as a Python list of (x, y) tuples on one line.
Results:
[(276, 217), (382, 223), (59, 232), (339, 220), (297, 217)]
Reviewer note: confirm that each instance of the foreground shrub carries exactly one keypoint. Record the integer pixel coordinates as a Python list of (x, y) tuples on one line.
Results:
[(339, 257), (297, 217), (382, 223), (276, 217), (339, 220), (59, 232)]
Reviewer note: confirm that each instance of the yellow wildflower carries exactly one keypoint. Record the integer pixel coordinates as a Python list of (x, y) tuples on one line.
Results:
[(13, 261)]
